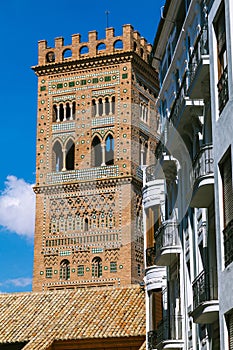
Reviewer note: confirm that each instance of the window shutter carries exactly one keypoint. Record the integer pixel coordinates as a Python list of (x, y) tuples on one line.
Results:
[(230, 330), (226, 171)]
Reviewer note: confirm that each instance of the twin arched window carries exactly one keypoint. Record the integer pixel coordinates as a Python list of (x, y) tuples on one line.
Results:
[(63, 158), (102, 152)]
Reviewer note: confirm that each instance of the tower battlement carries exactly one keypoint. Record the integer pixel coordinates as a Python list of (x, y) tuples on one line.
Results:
[(130, 41)]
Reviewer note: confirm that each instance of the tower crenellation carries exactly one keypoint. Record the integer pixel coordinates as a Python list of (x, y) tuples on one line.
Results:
[(130, 41)]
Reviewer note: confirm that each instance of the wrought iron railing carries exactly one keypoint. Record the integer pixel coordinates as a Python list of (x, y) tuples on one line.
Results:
[(179, 101), (151, 339), (150, 256), (166, 236), (228, 243), (223, 94), (170, 328), (205, 287), (204, 162), (201, 48)]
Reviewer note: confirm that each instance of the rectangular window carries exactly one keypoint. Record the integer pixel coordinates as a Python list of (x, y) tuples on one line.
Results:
[(226, 174), (95, 80), (113, 266), (48, 272), (43, 88), (220, 31), (108, 78), (80, 270), (83, 82), (59, 86), (71, 83), (125, 76)]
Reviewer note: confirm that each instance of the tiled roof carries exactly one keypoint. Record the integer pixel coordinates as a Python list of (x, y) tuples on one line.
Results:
[(143, 347), (41, 318)]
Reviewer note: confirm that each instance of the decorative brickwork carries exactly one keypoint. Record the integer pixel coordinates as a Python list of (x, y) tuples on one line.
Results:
[(95, 112)]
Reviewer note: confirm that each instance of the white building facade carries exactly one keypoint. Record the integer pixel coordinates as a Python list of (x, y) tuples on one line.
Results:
[(187, 193)]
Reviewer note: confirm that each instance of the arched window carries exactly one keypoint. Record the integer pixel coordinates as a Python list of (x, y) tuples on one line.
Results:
[(118, 44), (54, 113), (65, 270), (101, 46), (61, 112), (86, 226), (100, 106), (57, 157), (141, 52), (67, 54), (97, 267), (113, 105), (96, 152), (109, 150), (73, 110), (93, 103), (84, 50), (145, 154), (107, 106), (70, 155)]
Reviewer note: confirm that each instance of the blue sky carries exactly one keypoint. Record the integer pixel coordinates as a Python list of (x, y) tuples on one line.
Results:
[(23, 23)]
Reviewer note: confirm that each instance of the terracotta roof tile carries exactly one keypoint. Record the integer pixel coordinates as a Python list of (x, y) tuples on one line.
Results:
[(41, 318)]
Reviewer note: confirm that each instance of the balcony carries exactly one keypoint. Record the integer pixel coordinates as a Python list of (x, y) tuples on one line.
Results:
[(205, 298), (199, 66), (155, 277), (167, 243), (184, 109), (228, 243), (203, 178), (154, 187), (169, 333), (223, 94)]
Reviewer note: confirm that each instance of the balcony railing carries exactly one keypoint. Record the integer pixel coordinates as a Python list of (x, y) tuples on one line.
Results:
[(204, 162), (166, 236), (201, 48), (151, 339), (178, 103), (150, 256), (170, 329), (205, 288), (223, 95), (228, 243)]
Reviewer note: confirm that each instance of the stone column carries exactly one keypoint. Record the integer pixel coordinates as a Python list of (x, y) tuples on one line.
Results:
[(64, 159), (103, 153)]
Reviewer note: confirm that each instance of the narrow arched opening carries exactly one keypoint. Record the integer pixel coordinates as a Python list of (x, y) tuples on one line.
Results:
[(109, 150), (70, 155), (57, 157), (96, 152)]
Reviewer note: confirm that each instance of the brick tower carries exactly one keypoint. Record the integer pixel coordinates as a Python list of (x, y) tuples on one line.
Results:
[(96, 106)]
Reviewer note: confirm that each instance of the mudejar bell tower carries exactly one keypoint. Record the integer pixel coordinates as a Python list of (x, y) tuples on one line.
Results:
[(96, 110)]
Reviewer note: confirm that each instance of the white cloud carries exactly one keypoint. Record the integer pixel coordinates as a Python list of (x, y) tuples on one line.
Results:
[(18, 282), (17, 207)]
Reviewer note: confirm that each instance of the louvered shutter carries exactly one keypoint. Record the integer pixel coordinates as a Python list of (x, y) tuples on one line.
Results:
[(226, 171)]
